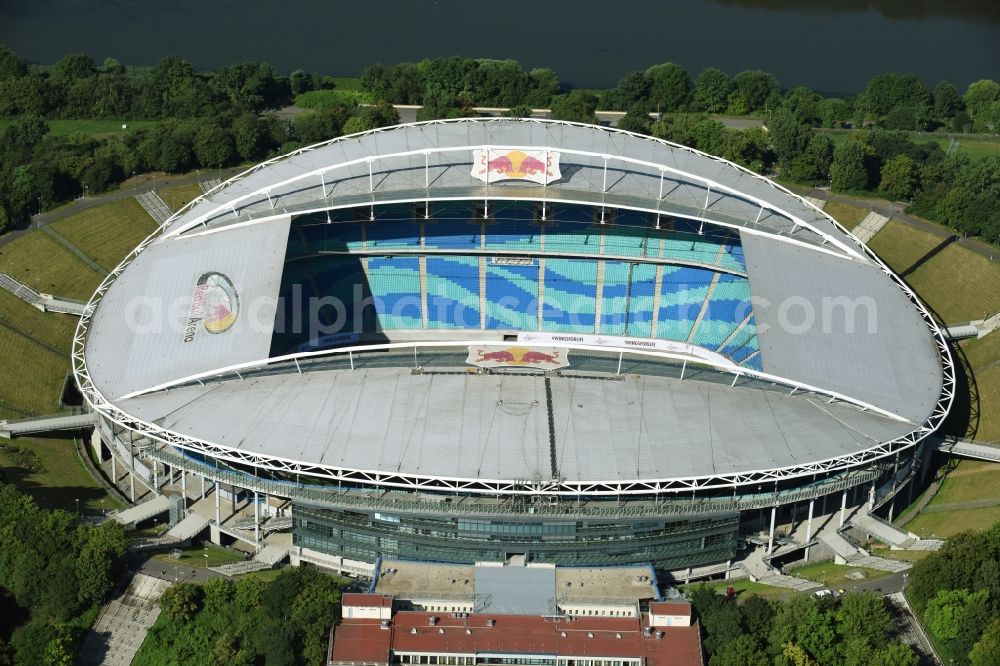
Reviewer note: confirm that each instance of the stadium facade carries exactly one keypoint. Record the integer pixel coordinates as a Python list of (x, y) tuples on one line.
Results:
[(464, 339)]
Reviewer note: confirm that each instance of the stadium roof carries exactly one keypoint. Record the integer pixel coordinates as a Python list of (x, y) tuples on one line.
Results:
[(885, 384)]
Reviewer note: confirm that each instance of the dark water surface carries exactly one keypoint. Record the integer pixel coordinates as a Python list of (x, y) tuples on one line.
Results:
[(829, 45)]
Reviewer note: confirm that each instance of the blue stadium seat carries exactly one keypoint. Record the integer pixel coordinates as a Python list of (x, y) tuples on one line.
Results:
[(395, 289), (681, 295), (453, 292), (452, 226), (570, 301), (729, 305), (513, 228), (614, 291), (640, 305), (512, 297)]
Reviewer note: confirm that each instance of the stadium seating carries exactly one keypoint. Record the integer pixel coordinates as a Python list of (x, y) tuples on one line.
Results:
[(395, 288), (569, 302), (697, 303), (512, 297), (453, 292)]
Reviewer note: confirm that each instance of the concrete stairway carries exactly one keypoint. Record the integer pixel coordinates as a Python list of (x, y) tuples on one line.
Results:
[(155, 206)]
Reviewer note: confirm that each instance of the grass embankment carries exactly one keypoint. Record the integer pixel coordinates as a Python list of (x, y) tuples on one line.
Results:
[(976, 148), (35, 346), (109, 232), (835, 575), (178, 196), (38, 260), (847, 214), (956, 282), (949, 512)]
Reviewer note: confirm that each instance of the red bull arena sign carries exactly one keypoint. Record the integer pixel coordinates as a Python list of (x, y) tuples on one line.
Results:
[(542, 358), (537, 166), (214, 306)]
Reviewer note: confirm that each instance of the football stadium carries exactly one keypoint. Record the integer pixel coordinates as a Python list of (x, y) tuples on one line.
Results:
[(471, 339)]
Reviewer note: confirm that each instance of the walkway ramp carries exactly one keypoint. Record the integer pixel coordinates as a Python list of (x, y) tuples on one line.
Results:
[(18, 427), (816, 201), (840, 546), (123, 623), (145, 511), (871, 225), (240, 568), (22, 291), (761, 572), (155, 206), (883, 531), (966, 449), (189, 528), (272, 554)]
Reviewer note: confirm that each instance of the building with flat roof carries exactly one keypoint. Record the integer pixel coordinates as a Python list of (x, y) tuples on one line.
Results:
[(474, 339), (372, 632)]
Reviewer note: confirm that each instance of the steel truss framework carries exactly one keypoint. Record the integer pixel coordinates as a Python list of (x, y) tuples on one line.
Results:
[(715, 482), (316, 179)]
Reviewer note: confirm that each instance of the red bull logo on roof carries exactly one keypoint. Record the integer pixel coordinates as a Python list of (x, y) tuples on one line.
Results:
[(537, 166), (543, 358)]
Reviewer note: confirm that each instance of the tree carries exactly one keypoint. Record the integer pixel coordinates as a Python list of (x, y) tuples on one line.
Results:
[(804, 104), (986, 651), (900, 178), (894, 654), (98, 563), (757, 615), (301, 81), (10, 65), (849, 170), (59, 650), (793, 655), (813, 165), (947, 101), (181, 602), (980, 95), (545, 85), (670, 87), (577, 106), (723, 625), (755, 88), (636, 120), (743, 651), (788, 135), (250, 85), (213, 146), (749, 147), (955, 618), (835, 112), (74, 66), (711, 90), (887, 91), (247, 136), (863, 615), (633, 91)]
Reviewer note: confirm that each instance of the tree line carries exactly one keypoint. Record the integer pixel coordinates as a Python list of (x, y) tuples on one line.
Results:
[(55, 571), (210, 120), (283, 622), (853, 630)]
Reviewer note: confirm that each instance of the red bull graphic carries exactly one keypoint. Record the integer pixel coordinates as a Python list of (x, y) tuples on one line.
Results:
[(214, 306), (543, 358), (537, 166)]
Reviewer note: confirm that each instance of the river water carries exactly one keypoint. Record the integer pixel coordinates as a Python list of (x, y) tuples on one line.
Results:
[(829, 45)]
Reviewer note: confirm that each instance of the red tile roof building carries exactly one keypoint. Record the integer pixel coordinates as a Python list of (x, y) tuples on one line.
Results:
[(460, 639)]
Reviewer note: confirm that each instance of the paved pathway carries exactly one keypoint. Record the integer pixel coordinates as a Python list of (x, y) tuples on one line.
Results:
[(124, 622)]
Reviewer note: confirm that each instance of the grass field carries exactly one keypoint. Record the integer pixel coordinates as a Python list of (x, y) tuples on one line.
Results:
[(109, 232), (976, 148), (834, 575), (63, 479), (970, 480), (957, 283), (95, 128), (744, 588), (179, 195), (848, 215), (52, 329), (949, 523), (194, 556), (42, 263)]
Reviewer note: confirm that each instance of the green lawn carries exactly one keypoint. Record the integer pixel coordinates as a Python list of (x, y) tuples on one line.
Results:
[(957, 283), (970, 480), (194, 556), (745, 587), (42, 263), (63, 479), (95, 128), (847, 214), (177, 196), (52, 329), (33, 376), (834, 575), (988, 384), (109, 232), (976, 148)]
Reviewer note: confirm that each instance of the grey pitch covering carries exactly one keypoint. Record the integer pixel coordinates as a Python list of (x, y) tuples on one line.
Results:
[(496, 427), (515, 590)]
